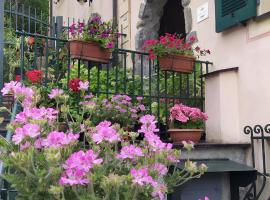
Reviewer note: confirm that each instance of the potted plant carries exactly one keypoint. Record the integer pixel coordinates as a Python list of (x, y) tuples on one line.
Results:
[(93, 41), (186, 123), (174, 53)]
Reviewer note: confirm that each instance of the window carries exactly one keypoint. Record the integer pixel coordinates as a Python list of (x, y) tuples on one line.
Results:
[(233, 12)]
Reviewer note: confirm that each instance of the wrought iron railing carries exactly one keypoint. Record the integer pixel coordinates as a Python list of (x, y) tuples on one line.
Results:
[(259, 136), (133, 74)]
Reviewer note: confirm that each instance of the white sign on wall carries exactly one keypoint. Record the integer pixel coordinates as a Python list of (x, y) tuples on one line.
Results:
[(202, 12)]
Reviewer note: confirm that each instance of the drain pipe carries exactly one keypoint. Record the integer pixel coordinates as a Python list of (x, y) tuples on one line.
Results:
[(115, 12)]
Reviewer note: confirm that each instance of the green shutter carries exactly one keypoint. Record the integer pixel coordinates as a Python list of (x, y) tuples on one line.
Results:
[(232, 12)]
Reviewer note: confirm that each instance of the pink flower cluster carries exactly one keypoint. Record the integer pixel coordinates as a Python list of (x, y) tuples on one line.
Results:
[(28, 114), (142, 177), (58, 139), (148, 124), (105, 133), (22, 93), (28, 130), (77, 166), (185, 113), (131, 152), (56, 93)]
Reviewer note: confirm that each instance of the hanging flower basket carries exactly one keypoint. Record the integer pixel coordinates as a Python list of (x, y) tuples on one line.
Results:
[(88, 50), (180, 135), (177, 63)]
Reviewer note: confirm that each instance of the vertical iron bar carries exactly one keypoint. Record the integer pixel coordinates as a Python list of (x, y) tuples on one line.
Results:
[(16, 15), (166, 97), (194, 87), (263, 153), (158, 96), (116, 78), (23, 12), (69, 65), (29, 19), (46, 61), (187, 91), (35, 15), (202, 87), (2, 4), (22, 56), (141, 74), (107, 81), (173, 86), (150, 85), (133, 73), (88, 74), (125, 72), (98, 80), (180, 85)]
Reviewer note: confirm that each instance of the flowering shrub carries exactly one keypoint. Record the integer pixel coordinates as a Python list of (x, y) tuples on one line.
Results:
[(182, 116), (45, 163), (172, 44), (95, 30), (119, 109)]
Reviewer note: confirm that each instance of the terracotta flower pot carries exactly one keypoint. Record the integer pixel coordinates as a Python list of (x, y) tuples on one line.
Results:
[(180, 135), (177, 63), (88, 50)]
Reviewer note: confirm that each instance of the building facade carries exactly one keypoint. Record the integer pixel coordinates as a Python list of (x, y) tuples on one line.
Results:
[(238, 36)]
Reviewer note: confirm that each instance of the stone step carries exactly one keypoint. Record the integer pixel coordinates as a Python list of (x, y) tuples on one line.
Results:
[(234, 152)]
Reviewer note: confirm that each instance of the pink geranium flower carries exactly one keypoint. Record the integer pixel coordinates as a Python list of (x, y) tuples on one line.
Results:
[(106, 133), (56, 93), (58, 139), (141, 176), (83, 85), (130, 152)]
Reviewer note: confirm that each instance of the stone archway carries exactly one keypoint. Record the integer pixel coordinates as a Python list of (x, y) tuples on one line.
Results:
[(149, 24)]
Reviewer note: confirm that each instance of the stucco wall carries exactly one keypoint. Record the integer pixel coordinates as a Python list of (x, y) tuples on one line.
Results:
[(243, 95), (71, 9)]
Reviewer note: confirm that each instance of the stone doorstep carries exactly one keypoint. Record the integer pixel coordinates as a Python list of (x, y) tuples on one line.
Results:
[(234, 152)]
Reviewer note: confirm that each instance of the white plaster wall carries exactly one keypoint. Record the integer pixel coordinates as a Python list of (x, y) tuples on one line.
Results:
[(71, 9), (244, 97), (104, 8), (135, 8)]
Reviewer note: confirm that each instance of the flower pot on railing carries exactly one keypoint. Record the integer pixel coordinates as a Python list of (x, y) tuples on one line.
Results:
[(180, 135), (177, 63), (88, 50)]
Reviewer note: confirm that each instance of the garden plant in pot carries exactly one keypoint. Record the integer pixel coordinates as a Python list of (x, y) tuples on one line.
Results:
[(174, 53), (186, 123), (93, 41)]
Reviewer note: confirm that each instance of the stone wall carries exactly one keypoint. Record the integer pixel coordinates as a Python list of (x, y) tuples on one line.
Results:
[(149, 17)]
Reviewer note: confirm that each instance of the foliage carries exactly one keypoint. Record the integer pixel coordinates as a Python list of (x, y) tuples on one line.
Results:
[(172, 45), (95, 30), (45, 163)]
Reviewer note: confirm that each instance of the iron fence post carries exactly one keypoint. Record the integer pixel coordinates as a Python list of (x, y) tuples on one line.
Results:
[(2, 3)]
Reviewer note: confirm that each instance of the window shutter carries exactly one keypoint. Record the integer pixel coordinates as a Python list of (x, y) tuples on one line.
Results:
[(232, 12)]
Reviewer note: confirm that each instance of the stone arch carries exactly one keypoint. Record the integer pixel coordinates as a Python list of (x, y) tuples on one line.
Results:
[(149, 23)]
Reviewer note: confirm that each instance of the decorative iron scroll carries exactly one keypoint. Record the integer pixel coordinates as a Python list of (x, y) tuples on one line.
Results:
[(258, 131)]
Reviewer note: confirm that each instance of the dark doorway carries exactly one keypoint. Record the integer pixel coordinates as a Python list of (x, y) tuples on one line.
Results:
[(173, 20)]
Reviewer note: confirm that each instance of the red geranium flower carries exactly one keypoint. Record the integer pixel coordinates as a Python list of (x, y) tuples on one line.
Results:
[(34, 76), (74, 84), (17, 77)]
